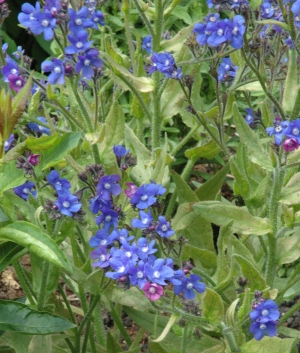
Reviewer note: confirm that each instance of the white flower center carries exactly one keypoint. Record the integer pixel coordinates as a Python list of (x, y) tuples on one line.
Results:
[(87, 62), (295, 131), (164, 227), (57, 70), (262, 326), (235, 30), (208, 33), (297, 18), (45, 23), (103, 242), (248, 117), (145, 221), (78, 21), (79, 45), (26, 191), (19, 83), (107, 218), (96, 19), (40, 127), (145, 248), (66, 204), (6, 144), (278, 128), (14, 71), (139, 274), (227, 67), (107, 186), (265, 312), (267, 11), (121, 269), (189, 286), (220, 32), (167, 62), (144, 197), (102, 258), (156, 274), (148, 45), (128, 253), (152, 290)]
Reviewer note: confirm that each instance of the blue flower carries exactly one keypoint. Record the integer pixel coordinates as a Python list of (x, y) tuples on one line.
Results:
[(219, 31), (44, 24), (79, 20), (28, 16), (137, 275), (101, 256), (266, 10), (120, 151), (289, 42), (265, 311), (121, 235), (147, 44), (145, 249), (68, 204), (226, 69), (60, 184), (78, 43), (158, 272), (87, 61), (165, 63), (235, 32), (164, 228), (279, 129), (18, 53), (188, 285), (120, 264), (108, 185), (144, 222), (57, 69), (101, 239), (201, 33), (109, 218), (98, 18), (8, 143), (293, 130), (97, 204), (144, 196), (10, 68), (25, 189), (259, 329), (249, 117), (39, 128)]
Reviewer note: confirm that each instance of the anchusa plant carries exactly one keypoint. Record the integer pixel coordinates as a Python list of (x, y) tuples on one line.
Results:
[(149, 168)]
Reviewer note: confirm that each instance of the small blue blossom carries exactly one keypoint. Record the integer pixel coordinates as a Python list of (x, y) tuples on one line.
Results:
[(108, 185), (39, 128), (10, 68), (18, 53), (158, 272), (226, 69), (164, 228), (101, 238), (87, 62), (249, 117), (219, 30), (44, 23), (144, 222), (289, 42), (57, 69), (188, 285), (296, 11), (279, 130), (79, 20), (8, 143), (120, 151), (293, 130), (78, 42), (236, 30), (147, 44), (98, 19), (202, 34), (28, 14), (102, 256), (165, 63), (97, 204), (265, 311), (259, 330), (121, 235), (137, 275), (266, 10), (144, 196), (61, 185), (68, 204), (109, 218), (145, 249), (120, 264), (25, 189)]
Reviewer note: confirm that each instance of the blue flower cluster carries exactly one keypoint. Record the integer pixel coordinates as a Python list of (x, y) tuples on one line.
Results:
[(263, 317), (165, 63), (214, 31), (130, 261), (67, 204), (286, 131), (229, 4), (226, 70)]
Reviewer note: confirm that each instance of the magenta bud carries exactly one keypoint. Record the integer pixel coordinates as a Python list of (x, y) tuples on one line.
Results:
[(290, 144), (33, 159), (254, 306), (262, 300), (124, 166), (186, 271), (55, 207), (123, 279)]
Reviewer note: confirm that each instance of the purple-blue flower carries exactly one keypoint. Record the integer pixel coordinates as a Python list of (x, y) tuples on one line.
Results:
[(226, 69), (98, 18), (39, 128), (259, 330), (108, 185), (68, 204), (27, 16), (120, 151), (158, 272), (57, 69), (78, 43), (219, 32), (293, 130), (289, 42), (145, 249), (25, 189), (121, 235), (10, 68), (100, 254), (97, 204), (279, 130), (265, 311), (165, 63), (144, 222), (249, 117), (296, 11), (163, 228), (60, 184), (147, 44), (44, 23), (235, 32), (79, 20), (188, 285), (137, 274), (120, 264), (266, 10), (87, 62), (101, 238), (109, 218), (202, 34), (144, 196), (8, 143)]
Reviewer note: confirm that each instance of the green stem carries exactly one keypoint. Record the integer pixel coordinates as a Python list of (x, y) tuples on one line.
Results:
[(184, 339), (137, 339), (126, 7), (187, 137), (210, 58), (290, 284), (43, 287), (118, 322), (26, 285), (156, 121), (99, 326), (2, 59), (144, 18), (66, 301), (228, 334), (262, 83), (158, 25)]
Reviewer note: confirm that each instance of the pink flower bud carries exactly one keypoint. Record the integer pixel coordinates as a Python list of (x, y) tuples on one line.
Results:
[(153, 291), (290, 144), (132, 189), (33, 159)]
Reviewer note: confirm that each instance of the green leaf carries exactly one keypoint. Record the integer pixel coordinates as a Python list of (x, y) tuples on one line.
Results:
[(160, 171), (143, 84), (244, 223), (181, 13), (228, 114), (35, 240), (18, 317), (18, 341), (213, 309), (246, 305), (241, 184), (205, 257), (172, 93), (61, 147), (8, 253), (3, 217), (112, 344), (269, 344), (289, 249), (184, 192), (255, 278), (230, 313), (258, 198), (40, 344), (42, 143), (283, 25), (291, 83), (188, 223), (209, 190), (10, 176), (250, 138), (208, 151)]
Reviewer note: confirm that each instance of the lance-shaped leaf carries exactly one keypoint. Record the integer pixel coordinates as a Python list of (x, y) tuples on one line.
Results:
[(184, 192), (213, 308), (258, 155), (291, 82), (143, 84), (283, 25), (208, 151), (31, 237), (244, 223), (269, 344), (18, 317), (10, 176)]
